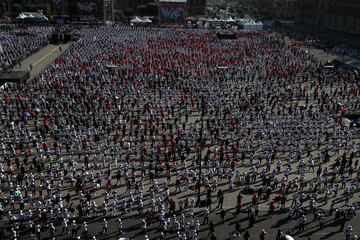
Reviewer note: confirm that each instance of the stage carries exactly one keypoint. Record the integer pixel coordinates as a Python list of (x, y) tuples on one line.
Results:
[(14, 76)]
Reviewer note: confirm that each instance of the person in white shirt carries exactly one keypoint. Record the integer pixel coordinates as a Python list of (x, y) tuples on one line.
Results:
[(104, 226), (119, 226), (85, 229)]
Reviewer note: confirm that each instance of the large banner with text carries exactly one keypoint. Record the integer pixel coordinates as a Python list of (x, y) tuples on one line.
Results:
[(173, 12)]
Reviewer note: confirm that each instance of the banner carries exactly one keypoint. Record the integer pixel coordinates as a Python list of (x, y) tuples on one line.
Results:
[(173, 12), (88, 9)]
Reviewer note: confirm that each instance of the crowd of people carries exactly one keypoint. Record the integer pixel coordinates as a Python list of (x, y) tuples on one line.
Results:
[(332, 47), (19, 41), (320, 41), (133, 121)]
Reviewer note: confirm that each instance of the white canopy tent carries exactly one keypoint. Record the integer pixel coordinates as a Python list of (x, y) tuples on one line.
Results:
[(140, 21), (136, 20), (253, 26), (36, 16), (146, 20)]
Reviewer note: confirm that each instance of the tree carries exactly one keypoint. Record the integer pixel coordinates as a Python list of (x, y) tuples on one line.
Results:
[(264, 13), (120, 16), (239, 11), (152, 9), (141, 9), (46, 8), (146, 2), (129, 12), (31, 7), (16, 8)]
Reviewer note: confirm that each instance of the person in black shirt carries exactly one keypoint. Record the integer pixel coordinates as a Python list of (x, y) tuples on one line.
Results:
[(222, 215), (247, 235), (211, 227)]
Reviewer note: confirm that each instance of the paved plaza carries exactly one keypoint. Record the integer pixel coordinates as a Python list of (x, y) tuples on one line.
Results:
[(113, 125)]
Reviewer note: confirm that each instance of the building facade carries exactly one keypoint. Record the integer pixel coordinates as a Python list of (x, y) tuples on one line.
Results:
[(285, 8), (343, 16), (127, 4)]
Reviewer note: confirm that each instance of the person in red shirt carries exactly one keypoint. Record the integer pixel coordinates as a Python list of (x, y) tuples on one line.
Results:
[(271, 209)]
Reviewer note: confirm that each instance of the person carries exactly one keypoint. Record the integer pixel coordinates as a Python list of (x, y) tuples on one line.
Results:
[(279, 234), (222, 215), (119, 225), (65, 228), (104, 226), (251, 220), (247, 235), (38, 231), (162, 236), (238, 227), (322, 221), (74, 229), (348, 232), (85, 230), (197, 227), (213, 236), (14, 234), (211, 228), (52, 230), (206, 216), (271, 209), (262, 234), (302, 221), (221, 200), (2, 233), (342, 222), (143, 226), (232, 236)]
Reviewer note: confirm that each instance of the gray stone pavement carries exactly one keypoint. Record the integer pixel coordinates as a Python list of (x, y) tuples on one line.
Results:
[(270, 225), (320, 54), (41, 59)]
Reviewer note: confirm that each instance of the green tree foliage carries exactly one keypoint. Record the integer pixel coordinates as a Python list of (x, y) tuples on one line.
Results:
[(152, 9), (46, 8), (140, 10), (129, 12), (120, 16), (16, 8), (31, 7)]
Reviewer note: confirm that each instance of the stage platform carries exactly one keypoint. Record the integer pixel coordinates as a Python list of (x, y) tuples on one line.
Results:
[(13, 76)]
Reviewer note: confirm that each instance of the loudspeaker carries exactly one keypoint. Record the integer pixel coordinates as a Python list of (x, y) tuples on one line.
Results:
[(67, 37), (55, 38)]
